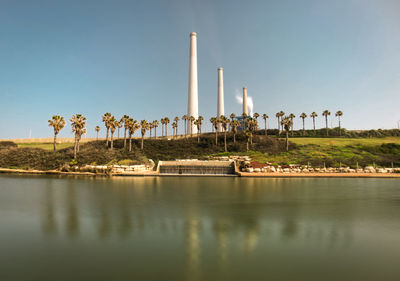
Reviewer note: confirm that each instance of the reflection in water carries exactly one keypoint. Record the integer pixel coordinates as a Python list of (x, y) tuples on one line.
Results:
[(49, 224), (72, 222), (193, 249), (212, 222)]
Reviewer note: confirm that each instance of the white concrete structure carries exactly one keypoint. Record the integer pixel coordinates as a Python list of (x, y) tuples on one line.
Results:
[(193, 100), (220, 103), (245, 108)]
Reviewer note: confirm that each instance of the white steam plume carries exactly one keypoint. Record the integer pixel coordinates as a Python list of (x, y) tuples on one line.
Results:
[(250, 103)]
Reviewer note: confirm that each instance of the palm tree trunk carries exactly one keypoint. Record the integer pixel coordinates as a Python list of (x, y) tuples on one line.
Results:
[(287, 140), (141, 146), (150, 133), (234, 137), (97, 136), (118, 132), (265, 125), (340, 131), (130, 142), (185, 129), (226, 148), (314, 124), (247, 145), (112, 140), (162, 128), (191, 128), (155, 132), (326, 121), (303, 127), (124, 138), (216, 137), (54, 143), (108, 129), (75, 147), (198, 136)]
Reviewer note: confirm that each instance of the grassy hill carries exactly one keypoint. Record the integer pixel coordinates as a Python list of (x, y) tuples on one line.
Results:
[(383, 151)]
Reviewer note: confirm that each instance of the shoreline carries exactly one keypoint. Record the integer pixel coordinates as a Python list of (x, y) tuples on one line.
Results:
[(238, 174)]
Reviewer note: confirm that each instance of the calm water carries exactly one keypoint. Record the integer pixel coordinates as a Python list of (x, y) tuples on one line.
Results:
[(199, 229)]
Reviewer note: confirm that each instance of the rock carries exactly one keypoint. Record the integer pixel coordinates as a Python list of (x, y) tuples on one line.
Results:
[(257, 170), (305, 170), (286, 170), (370, 169)]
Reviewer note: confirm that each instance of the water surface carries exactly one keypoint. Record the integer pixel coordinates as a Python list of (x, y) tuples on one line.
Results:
[(199, 228)]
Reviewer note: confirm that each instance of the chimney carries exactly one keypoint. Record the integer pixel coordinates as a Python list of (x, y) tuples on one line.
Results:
[(220, 104), (193, 100), (245, 110)]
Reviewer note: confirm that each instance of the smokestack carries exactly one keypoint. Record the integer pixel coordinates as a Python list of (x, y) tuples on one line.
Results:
[(193, 100), (245, 110), (220, 107)]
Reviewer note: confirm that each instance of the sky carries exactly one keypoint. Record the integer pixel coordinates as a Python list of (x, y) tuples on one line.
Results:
[(132, 57)]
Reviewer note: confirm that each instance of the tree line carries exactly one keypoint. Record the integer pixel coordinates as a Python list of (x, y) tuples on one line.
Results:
[(248, 124)]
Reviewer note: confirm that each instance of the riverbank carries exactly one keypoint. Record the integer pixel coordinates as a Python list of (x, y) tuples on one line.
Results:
[(239, 174)]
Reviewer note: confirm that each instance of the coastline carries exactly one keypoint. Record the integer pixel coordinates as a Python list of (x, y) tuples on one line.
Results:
[(238, 174)]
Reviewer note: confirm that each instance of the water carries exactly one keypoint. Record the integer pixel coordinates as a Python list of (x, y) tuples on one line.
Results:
[(199, 228)]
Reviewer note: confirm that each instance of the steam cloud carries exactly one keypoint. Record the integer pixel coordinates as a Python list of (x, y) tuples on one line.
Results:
[(250, 103)]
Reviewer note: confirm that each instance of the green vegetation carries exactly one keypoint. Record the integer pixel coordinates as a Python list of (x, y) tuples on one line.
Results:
[(45, 146)]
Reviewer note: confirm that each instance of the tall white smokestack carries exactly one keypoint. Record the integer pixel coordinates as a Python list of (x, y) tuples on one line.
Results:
[(245, 109), (220, 107), (193, 100)]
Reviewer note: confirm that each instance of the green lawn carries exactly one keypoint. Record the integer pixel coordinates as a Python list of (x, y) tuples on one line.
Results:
[(47, 146), (345, 141)]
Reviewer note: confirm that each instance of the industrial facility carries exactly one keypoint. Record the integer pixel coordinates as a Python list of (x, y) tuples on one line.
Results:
[(193, 98)]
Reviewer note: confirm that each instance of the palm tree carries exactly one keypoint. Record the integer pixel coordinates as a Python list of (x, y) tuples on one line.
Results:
[(97, 129), (144, 127), (176, 119), (106, 117), (119, 126), (326, 113), (314, 115), (265, 117), (249, 135), (278, 116), (303, 116), (132, 127), (199, 123), (292, 116), (78, 123), (58, 123), (224, 123), (166, 120), (281, 114), (162, 121), (232, 116), (185, 118), (287, 123), (339, 114), (114, 124), (123, 121), (215, 121), (191, 120), (252, 125), (151, 126), (174, 126), (155, 124), (234, 125), (255, 116)]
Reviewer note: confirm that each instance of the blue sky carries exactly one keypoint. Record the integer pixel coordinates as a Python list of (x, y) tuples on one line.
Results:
[(131, 57)]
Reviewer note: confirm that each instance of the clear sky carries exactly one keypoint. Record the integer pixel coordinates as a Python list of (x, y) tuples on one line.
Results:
[(132, 57)]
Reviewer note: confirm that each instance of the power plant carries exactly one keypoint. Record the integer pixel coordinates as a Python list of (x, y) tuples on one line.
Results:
[(193, 99)]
